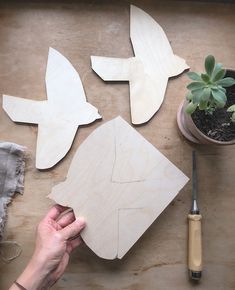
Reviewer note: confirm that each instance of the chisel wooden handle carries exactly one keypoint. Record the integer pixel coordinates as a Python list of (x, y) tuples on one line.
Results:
[(195, 246)]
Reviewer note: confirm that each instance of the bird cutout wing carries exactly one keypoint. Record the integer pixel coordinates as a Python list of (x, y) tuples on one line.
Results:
[(148, 71), (58, 117), (16, 108), (151, 45), (120, 183), (111, 68), (63, 82)]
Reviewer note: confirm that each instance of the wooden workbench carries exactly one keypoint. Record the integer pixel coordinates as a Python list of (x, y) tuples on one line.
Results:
[(78, 30)]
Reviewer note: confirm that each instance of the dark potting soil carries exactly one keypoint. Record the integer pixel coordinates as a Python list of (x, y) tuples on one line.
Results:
[(218, 126)]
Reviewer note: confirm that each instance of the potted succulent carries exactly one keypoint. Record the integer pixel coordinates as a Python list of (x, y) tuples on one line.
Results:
[(207, 115)]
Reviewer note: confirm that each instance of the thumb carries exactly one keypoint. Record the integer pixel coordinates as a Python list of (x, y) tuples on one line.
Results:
[(73, 229)]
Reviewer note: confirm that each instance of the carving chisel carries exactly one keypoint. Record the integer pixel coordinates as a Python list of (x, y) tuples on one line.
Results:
[(195, 233)]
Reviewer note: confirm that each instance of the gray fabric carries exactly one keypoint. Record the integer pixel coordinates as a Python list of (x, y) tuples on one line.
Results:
[(12, 166)]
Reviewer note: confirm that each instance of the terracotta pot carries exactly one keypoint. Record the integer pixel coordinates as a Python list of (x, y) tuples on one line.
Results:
[(189, 129)]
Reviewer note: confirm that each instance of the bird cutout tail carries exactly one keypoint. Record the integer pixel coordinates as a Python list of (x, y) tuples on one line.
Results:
[(23, 110), (59, 131), (146, 94)]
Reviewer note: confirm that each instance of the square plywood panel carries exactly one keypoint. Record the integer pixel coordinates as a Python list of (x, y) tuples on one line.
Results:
[(79, 30)]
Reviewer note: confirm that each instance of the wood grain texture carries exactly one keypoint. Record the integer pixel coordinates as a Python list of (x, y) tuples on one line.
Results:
[(148, 72), (59, 117), (116, 179), (79, 29)]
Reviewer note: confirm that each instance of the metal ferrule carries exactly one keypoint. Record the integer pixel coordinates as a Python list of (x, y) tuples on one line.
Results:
[(194, 209)]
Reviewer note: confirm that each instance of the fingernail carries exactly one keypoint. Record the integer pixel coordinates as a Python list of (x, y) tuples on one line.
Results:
[(81, 221)]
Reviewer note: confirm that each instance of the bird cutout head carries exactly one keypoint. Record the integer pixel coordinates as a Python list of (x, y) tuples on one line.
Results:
[(120, 183), (91, 117), (148, 72), (59, 116)]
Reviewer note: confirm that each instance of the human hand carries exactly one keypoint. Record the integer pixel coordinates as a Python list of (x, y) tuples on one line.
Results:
[(56, 237)]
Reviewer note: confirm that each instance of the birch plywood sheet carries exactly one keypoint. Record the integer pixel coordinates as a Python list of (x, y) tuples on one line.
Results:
[(120, 183), (148, 71), (58, 117)]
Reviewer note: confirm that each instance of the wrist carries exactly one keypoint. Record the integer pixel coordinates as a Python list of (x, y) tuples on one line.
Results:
[(35, 275)]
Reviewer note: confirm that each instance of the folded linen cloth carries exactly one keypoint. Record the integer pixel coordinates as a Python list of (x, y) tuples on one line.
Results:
[(12, 164)]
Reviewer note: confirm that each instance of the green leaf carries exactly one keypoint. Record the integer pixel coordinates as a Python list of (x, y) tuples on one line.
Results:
[(209, 64), (226, 82), (189, 96), (221, 89), (196, 95), (223, 92), (217, 68), (195, 86), (210, 110), (231, 108), (220, 74), (205, 78), (233, 117), (206, 94), (194, 76), (219, 97), (191, 107), (202, 105)]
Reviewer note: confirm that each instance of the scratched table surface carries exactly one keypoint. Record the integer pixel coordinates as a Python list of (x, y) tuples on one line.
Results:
[(158, 261)]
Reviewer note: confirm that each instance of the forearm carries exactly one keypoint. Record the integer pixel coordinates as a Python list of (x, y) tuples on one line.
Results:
[(34, 277)]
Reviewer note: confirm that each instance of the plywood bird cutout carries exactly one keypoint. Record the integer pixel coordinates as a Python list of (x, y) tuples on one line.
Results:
[(59, 117), (148, 71), (120, 183)]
